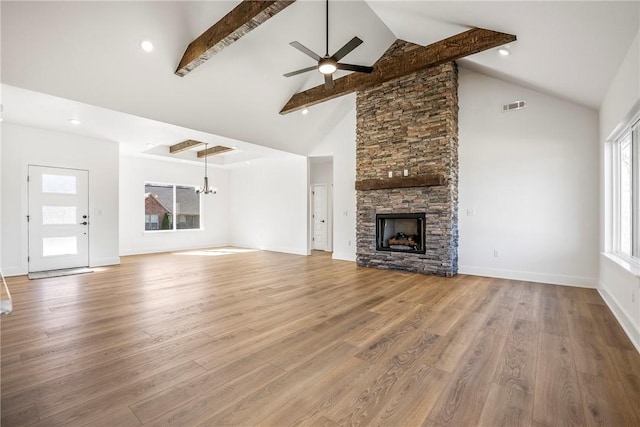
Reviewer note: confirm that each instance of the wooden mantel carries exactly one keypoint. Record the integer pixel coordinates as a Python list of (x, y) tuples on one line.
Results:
[(400, 182)]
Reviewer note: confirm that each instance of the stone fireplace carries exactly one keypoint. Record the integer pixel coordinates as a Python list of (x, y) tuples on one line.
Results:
[(407, 166)]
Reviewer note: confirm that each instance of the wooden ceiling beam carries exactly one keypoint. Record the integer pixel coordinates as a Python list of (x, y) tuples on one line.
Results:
[(235, 24), (185, 145), (218, 149), (467, 43)]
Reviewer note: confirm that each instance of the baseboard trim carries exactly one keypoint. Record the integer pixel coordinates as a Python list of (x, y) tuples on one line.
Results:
[(293, 251), (630, 328), (14, 271), (144, 251), (104, 262), (344, 256), (282, 249), (553, 279)]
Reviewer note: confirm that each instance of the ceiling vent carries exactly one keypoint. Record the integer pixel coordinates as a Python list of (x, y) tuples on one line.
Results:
[(517, 105)]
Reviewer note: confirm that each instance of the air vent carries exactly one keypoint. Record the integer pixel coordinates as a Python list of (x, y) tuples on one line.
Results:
[(517, 105)]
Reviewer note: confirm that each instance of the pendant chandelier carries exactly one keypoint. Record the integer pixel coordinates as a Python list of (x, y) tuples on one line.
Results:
[(206, 189)]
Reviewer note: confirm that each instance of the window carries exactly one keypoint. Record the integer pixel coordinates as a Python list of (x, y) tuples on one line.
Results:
[(151, 222), (187, 208), (58, 184), (627, 192), (171, 207)]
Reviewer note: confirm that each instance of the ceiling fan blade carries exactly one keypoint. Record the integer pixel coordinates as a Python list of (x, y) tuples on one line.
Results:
[(358, 68), (306, 50), (344, 50), (304, 70), (328, 81)]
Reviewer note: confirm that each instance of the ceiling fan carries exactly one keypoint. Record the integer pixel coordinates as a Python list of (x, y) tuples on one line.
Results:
[(328, 65)]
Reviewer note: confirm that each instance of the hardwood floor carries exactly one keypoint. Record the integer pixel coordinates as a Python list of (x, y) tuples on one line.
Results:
[(262, 338)]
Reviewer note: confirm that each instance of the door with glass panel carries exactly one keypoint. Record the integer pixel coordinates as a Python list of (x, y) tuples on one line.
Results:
[(58, 218)]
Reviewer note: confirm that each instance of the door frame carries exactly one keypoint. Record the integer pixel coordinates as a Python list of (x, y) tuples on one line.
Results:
[(329, 204), (28, 208)]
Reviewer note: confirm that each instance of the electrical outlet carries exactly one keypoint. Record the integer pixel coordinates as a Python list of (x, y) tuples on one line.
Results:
[(349, 242), (633, 297), (471, 212), (496, 253)]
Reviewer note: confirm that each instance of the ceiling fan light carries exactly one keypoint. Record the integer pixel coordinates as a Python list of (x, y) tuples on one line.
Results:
[(327, 66)]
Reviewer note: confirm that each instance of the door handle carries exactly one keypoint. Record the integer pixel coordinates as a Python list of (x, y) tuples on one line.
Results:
[(84, 223), (322, 220)]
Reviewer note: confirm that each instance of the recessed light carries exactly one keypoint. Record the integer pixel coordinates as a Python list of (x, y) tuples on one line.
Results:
[(305, 111), (146, 45), (74, 121), (248, 162), (148, 144), (504, 51)]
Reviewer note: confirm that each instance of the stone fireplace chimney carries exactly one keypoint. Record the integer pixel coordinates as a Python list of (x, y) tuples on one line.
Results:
[(409, 124)]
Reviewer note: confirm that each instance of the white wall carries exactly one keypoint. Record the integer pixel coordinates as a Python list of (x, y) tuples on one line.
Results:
[(22, 146), (531, 177), (322, 172), (341, 144), (623, 92), (135, 171), (619, 280), (269, 205), (1, 132)]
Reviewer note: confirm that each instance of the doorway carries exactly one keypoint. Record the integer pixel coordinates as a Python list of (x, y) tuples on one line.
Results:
[(320, 217), (58, 216), (321, 203)]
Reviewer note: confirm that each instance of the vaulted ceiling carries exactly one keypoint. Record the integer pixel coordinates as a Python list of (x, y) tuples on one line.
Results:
[(89, 52)]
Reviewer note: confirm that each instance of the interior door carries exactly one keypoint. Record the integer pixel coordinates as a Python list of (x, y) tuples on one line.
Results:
[(320, 217), (58, 218)]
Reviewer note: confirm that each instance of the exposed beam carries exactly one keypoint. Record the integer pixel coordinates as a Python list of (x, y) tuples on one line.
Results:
[(472, 41), (185, 145), (218, 149), (235, 24)]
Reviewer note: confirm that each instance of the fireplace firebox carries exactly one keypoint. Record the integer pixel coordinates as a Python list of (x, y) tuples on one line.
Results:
[(400, 232)]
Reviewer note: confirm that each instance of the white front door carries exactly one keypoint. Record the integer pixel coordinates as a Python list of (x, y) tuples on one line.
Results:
[(320, 217), (58, 218)]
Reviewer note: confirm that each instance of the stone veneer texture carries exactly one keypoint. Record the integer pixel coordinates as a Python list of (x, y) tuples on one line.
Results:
[(410, 123)]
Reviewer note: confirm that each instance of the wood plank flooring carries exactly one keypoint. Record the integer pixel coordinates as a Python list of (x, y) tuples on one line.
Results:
[(270, 339)]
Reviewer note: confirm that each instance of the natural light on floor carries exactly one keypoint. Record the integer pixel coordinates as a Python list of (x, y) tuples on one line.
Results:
[(216, 251)]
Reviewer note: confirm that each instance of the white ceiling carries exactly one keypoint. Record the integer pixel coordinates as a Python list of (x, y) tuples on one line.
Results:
[(137, 136), (89, 52)]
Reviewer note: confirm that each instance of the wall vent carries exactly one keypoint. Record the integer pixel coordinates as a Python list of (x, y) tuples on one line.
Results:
[(517, 105)]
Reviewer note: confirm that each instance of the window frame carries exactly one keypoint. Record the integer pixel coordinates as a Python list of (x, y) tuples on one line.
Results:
[(632, 131), (174, 209)]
